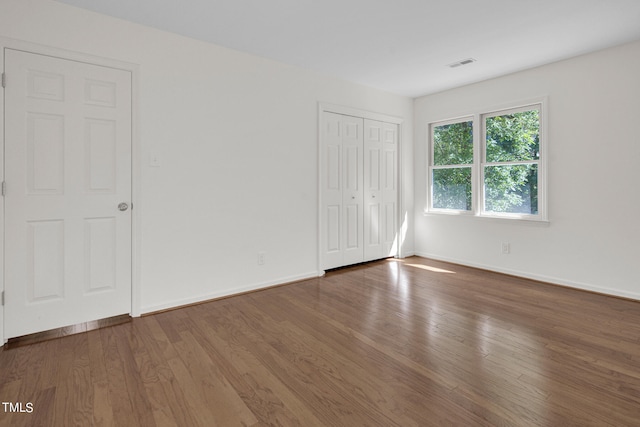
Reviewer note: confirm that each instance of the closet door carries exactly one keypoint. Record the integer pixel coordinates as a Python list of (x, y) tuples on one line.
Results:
[(358, 190), (341, 182), (373, 203), (381, 189), (389, 189), (352, 194)]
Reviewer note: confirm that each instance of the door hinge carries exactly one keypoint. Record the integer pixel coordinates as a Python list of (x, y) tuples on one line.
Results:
[(2, 298), (4, 188), (4, 80)]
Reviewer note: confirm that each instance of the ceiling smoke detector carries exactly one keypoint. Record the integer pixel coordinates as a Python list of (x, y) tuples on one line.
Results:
[(462, 62)]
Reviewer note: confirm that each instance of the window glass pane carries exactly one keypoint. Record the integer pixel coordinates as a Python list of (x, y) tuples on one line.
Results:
[(513, 137), (452, 188), (511, 189), (453, 144)]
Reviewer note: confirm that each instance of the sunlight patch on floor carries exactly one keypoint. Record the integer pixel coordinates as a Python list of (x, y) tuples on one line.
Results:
[(434, 269), (424, 267)]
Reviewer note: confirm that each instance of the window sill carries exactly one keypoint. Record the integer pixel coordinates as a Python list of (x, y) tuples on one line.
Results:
[(507, 219)]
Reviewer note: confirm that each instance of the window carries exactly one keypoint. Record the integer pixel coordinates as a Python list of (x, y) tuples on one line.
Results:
[(451, 169), (506, 167), (511, 161)]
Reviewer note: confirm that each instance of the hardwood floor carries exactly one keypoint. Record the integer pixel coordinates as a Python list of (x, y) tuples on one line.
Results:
[(410, 342)]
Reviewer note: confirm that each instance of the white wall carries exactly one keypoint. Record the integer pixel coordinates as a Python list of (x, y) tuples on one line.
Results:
[(237, 139), (591, 240)]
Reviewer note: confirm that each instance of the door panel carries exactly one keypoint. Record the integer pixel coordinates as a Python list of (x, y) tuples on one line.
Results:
[(352, 169), (333, 229), (45, 261), (331, 188), (390, 189), (352, 154), (100, 251), (67, 167), (372, 195), (45, 153), (352, 189), (100, 162), (341, 234), (373, 217)]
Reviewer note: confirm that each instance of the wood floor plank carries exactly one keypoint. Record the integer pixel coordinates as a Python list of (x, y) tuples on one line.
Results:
[(79, 408), (203, 413), (63, 403), (129, 402), (172, 391), (148, 374), (412, 342), (102, 407), (8, 392)]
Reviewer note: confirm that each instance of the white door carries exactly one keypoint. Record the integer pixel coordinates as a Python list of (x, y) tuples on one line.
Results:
[(389, 189), (67, 168), (352, 189), (373, 203), (341, 179), (380, 189)]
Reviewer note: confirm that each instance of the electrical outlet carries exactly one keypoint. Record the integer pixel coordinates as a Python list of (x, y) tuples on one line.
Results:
[(506, 248), (261, 258)]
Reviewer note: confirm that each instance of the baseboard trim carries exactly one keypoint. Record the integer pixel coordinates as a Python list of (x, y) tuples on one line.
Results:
[(538, 277), (201, 299)]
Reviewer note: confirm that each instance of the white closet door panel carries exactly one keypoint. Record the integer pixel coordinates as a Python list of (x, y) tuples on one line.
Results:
[(352, 190), (331, 181), (373, 171), (373, 236), (389, 190), (333, 228)]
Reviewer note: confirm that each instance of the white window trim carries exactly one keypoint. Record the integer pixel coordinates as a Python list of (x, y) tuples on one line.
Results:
[(431, 167), (479, 163)]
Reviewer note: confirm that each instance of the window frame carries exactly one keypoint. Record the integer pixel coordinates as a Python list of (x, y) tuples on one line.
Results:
[(431, 166), (484, 163), (479, 164)]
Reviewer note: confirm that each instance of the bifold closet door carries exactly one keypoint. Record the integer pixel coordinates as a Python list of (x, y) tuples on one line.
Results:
[(380, 189), (342, 196), (359, 193)]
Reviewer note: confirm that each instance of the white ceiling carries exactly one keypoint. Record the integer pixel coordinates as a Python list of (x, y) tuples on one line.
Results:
[(401, 46)]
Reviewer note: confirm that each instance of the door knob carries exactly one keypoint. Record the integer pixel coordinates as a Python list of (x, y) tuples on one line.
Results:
[(123, 206)]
